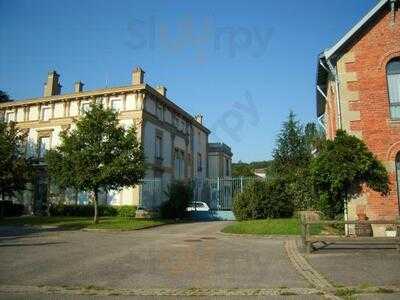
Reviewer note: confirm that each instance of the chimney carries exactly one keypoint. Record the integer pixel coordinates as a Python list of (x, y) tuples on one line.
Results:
[(199, 118), (78, 86), (162, 90), (137, 76), (52, 87)]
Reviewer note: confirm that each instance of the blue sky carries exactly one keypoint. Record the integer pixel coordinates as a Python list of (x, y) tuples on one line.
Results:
[(242, 64)]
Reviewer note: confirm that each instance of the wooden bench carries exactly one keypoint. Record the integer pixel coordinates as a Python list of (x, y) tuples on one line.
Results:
[(309, 240)]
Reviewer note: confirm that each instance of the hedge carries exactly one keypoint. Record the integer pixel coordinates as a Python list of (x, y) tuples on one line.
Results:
[(263, 200), (75, 210), (10, 209)]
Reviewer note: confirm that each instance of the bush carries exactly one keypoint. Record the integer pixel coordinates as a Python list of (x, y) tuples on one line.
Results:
[(126, 211), (262, 200), (179, 194), (10, 209), (75, 210)]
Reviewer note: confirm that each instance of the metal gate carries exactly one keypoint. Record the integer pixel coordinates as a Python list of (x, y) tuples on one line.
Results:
[(219, 193)]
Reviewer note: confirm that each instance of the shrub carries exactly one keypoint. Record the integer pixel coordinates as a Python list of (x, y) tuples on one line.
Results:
[(126, 211), (10, 209), (179, 194), (76, 210), (262, 200)]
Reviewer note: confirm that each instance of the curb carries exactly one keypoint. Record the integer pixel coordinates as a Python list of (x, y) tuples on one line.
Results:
[(262, 236), (101, 291)]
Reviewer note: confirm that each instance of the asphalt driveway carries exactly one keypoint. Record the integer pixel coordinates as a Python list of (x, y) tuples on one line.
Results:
[(191, 255)]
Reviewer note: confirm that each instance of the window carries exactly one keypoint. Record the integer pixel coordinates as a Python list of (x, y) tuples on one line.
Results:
[(43, 146), (393, 78), (179, 163), (227, 167), (46, 113), (158, 150), (10, 117), (116, 105), (199, 162), (160, 112)]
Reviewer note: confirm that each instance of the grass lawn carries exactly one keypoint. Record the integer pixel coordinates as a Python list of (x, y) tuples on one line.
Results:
[(73, 223), (268, 227)]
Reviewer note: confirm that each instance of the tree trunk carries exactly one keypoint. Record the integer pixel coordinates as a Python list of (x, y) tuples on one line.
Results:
[(95, 219)]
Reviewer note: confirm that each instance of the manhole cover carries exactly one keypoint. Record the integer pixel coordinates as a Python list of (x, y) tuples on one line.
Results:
[(208, 238), (192, 240)]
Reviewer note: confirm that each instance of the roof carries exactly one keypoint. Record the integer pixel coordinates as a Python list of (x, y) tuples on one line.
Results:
[(332, 53), (220, 147), (111, 90)]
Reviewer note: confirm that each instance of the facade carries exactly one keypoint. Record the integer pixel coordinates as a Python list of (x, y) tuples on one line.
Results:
[(219, 160), (175, 143), (358, 90)]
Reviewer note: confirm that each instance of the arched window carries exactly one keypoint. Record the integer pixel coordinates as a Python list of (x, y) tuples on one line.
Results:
[(393, 78)]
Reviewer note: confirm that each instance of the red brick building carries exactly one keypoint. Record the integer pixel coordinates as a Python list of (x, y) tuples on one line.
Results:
[(358, 90)]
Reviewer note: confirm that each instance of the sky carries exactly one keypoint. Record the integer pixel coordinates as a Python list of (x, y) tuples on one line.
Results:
[(242, 64)]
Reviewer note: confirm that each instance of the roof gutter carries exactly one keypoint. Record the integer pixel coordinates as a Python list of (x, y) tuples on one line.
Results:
[(333, 71)]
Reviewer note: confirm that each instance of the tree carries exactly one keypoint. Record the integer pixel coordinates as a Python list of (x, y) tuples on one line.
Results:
[(342, 169), (97, 155), (291, 159), (4, 97), (15, 169), (314, 137), (242, 170)]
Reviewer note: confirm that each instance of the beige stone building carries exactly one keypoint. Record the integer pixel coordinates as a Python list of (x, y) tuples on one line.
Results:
[(175, 142), (219, 160)]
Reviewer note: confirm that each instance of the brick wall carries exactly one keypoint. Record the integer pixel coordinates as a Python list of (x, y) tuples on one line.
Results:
[(365, 104)]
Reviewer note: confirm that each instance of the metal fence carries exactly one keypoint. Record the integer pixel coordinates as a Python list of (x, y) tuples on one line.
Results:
[(152, 193), (218, 193)]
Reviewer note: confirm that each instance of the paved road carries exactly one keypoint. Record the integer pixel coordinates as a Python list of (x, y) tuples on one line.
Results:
[(173, 256)]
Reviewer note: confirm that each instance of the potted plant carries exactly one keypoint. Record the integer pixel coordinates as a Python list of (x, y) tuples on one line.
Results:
[(391, 231)]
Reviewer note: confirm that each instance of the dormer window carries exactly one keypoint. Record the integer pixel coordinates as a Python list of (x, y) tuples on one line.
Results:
[(10, 117), (393, 78), (46, 113), (116, 105), (85, 107), (160, 112)]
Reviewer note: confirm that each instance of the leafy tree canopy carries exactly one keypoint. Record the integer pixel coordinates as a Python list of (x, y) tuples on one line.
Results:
[(98, 154), (4, 97), (291, 159), (341, 170), (15, 169)]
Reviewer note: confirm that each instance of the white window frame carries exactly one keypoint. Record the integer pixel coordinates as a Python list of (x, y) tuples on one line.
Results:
[(7, 117), (42, 112), (120, 104), (85, 107), (42, 151), (158, 147)]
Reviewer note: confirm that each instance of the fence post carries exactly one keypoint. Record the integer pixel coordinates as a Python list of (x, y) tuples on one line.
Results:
[(241, 184), (218, 193)]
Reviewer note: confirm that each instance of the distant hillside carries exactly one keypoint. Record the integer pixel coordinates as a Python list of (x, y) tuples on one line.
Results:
[(247, 169)]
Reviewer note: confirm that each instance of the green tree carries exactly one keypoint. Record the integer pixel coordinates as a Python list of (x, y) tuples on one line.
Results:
[(291, 159), (314, 137), (15, 169), (341, 170), (97, 155), (4, 97), (242, 170)]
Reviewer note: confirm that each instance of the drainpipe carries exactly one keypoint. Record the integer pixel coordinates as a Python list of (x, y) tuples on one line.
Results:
[(393, 10)]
